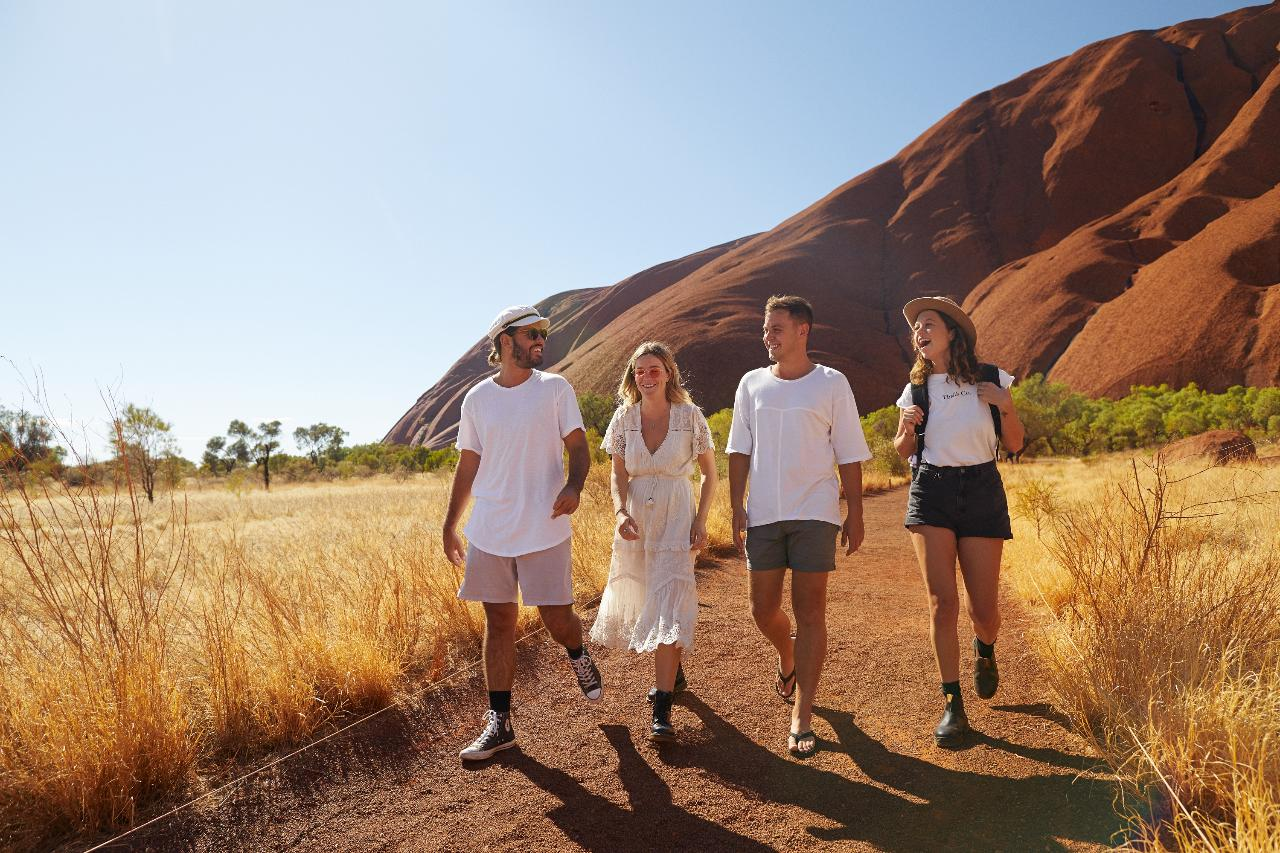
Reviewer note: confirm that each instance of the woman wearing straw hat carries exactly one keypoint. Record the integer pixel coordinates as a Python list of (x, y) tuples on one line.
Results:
[(954, 413), (657, 438)]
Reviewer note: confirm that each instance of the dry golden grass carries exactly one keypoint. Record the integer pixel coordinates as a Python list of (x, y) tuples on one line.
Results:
[(1163, 585), (141, 642)]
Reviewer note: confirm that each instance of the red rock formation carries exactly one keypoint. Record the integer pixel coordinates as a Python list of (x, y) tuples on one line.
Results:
[(1110, 218), (1219, 446)]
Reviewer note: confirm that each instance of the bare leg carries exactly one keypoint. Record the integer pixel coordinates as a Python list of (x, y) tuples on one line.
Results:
[(500, 644), (666, 658), (980, 566), (936, 552), (766, 609), (562, 623), (809, 601)]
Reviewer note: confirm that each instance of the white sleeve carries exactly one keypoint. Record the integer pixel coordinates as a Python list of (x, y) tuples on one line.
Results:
[(567, 410), (468, 434), (847, 438), (740, 438), (615, 437), (1007, 379), (904, 399)]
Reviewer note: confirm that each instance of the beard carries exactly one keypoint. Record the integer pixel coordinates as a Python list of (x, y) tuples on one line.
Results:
[(524, 357)]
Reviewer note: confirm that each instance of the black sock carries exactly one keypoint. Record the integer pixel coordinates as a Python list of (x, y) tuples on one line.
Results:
[(574, 653), (951, 689), (986, 650), (500, 701)]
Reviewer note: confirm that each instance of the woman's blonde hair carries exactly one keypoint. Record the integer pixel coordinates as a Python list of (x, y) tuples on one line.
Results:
[(629, 391), (962, 361)]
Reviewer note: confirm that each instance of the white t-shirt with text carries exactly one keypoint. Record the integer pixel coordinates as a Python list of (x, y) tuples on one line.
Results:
[(518, 433), (959, 429), (796, 431)]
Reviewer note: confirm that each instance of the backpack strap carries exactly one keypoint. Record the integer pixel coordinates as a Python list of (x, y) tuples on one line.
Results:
[(991, 373), (920, 397)]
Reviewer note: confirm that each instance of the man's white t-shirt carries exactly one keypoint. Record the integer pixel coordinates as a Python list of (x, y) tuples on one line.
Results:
[(959, 429), (518, 433), (796, 431)]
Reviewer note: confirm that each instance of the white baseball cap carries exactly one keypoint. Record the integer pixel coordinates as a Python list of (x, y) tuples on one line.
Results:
[(517, 315)]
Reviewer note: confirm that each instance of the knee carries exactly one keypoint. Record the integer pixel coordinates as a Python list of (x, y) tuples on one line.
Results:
[(944, 609), (501, 624), (811, 619), (764, 612), (985, 616)]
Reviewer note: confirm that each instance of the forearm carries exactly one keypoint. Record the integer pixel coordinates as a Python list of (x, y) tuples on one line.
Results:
[(579, 465), (1012, 433), (851, 480), (739, 470), (706, 495), (460, 489), (619, 487), (905, 443)]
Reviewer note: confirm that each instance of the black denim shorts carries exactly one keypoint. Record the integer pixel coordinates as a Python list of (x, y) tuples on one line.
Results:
[(967, 500)]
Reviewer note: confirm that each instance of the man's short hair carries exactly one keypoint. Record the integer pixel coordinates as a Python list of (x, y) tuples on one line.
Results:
[(797, 306)]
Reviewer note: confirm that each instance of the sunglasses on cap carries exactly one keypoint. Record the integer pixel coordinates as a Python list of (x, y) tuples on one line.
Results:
[(532, 331)]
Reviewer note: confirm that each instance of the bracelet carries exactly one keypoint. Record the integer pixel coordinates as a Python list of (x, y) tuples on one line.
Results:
[(620, 509)]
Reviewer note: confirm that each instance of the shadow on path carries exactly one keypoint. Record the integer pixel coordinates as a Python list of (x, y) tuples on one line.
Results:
[(928, 807), (653, 821)]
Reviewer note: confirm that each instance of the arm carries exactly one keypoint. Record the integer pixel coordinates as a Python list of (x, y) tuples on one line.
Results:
[(1012, 432), (739, 470), (905, 441), (579, 464), (852, 532), (619, 485), (710, 479), (459, 494)]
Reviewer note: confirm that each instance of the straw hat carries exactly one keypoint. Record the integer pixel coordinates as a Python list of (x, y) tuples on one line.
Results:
[(942, 305)]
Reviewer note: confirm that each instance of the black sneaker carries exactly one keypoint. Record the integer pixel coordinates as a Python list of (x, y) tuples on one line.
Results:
[(680, 684), (584, 669), (954, 725), (986, 676), (497, 735)]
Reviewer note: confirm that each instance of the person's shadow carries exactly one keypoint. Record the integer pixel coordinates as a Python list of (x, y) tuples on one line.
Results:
[(927, 807), (653, 821)]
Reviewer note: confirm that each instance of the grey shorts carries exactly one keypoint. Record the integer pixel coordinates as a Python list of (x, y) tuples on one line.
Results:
[(802, 546), (543, 577)]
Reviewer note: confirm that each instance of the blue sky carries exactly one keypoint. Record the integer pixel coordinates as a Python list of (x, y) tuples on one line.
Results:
[(308, 211)]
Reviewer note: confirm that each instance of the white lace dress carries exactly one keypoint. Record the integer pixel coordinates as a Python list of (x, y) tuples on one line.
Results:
[(651, 598)]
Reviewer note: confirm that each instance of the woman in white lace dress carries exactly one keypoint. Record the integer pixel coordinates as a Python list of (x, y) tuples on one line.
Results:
[(657, 439)]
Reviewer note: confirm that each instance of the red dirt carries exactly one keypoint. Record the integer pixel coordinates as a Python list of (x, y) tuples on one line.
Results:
[(1109, 219), (585, 778)]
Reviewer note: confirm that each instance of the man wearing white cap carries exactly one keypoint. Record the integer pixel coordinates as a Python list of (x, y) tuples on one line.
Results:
[(514, 430)]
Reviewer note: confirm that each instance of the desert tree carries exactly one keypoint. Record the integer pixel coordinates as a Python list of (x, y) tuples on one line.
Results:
[(215, 455), (142, 441), (319, 442), (239, 449), (264, 443), (25, 439)]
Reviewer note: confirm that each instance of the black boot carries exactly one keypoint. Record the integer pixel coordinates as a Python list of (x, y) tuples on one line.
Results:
[(662, 731), (954, 725), (681, 683), (986, 675)]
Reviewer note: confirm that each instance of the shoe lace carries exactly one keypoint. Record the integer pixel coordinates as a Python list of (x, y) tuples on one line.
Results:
[(582, 667), (492, 726)]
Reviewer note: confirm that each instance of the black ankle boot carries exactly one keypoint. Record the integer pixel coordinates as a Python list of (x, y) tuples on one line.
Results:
[(954, 725), (986, 675), (662, 730)]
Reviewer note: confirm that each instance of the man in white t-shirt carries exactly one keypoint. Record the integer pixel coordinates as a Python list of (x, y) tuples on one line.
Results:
[(795, 424), (514, 429)]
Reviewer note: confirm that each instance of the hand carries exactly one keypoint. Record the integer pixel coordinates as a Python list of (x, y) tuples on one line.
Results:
[(851, 533), (697, 536), (453, 549), (993, 395), (908, 418), (740, 530), (566, 502), (627, 527)]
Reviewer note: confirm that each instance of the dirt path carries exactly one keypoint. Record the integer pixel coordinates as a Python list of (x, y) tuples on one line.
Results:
[(585, 776)]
